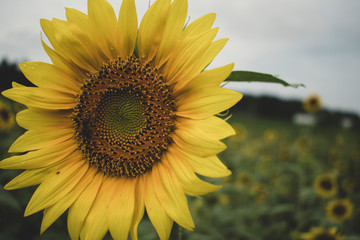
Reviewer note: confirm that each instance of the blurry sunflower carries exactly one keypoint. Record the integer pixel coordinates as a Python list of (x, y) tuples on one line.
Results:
[(284, 154), (302, 144), (325, 185), (312, 104), (348, 184), (7, 118), (339, 210), (122, 119), (270, 135), (341, 166), (260, 192), (243, 179), (223, 199), (320, 233)]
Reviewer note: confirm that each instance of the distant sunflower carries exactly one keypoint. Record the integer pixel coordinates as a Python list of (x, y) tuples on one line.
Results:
[(339, 210), (7, 118), (348, 184), (122, 119), (325, 185), (320, 233), (243, 179), (312, 104), (270, 135)]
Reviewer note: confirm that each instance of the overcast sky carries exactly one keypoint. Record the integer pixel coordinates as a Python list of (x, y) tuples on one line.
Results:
[(314, 42)]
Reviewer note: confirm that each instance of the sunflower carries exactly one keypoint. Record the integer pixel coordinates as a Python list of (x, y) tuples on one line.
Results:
[(339, 210), (325, 185), (7, 118), (270, 135), (123, 119), (320, 233), (243, 179), (312, 104)]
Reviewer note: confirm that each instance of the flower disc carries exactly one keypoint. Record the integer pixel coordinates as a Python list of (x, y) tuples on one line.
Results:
[(124, 118)]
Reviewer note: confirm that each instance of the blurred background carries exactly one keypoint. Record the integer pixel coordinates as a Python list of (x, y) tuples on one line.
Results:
[(297, 151)]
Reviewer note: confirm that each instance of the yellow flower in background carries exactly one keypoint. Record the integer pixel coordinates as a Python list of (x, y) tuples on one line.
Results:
[(348, 184), (303, 144), (312, 104), (341, 166), (7, 118), (122, 119), (260, 192), (339, 210), (223, 199), (325, 185), (243, 179), (321, 233), (270, 135)]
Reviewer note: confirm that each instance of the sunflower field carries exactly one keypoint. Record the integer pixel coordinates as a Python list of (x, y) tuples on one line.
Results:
[(288, 182)]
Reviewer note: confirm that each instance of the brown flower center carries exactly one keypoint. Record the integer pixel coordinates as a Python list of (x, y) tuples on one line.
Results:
[(326, 184), (339, 210), (124, 118), (5, 115)]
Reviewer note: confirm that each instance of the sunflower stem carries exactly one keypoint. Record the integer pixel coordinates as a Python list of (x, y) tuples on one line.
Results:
[(176, 233)]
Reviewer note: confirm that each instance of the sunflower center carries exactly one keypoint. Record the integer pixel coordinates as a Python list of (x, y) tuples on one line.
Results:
[(4, 114), (339, 210), (326, 184), (121, 115), (124, 118), (313, 102)]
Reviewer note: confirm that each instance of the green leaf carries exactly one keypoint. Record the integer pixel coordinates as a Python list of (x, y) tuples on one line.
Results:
[(247, 76)]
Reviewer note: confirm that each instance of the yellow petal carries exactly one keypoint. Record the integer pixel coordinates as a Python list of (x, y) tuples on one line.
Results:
[(16, 85), (77, 45), (207, 166), (191, 184), (186, 54), (121, 208), (71, 42), (209, 78), (169, 192), (29, 178), (102, 16), (82, 21), (152, 28), (213, 126), (37, 118), (96, 222), (154, 209), (128, 27), (81, 207), (54, 212), (49, 76), (40, 158), (205, 102), (200, 25), (202, 61), (173, 29), (41, 97), (197, 143), (139, 207), (65, 64), (57, 184), (40, 138)]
